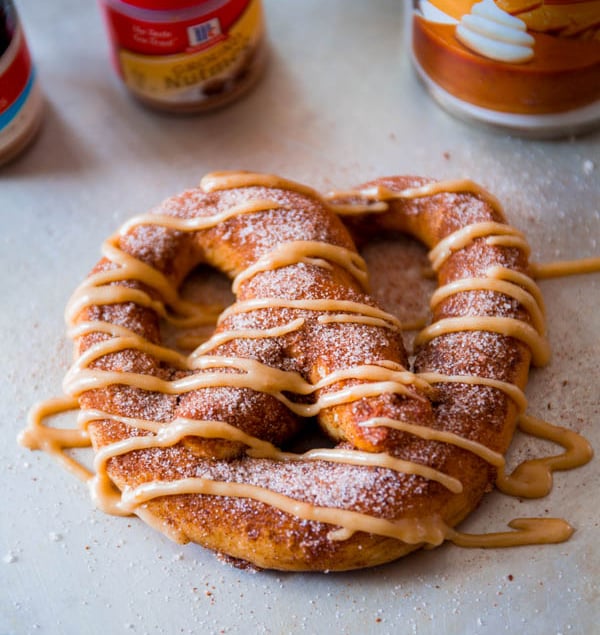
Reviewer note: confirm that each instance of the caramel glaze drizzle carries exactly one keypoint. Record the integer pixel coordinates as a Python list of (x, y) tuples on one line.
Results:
[(532, 478)]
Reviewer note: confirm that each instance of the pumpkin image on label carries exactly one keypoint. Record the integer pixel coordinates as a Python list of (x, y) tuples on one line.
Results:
[(528, 65)]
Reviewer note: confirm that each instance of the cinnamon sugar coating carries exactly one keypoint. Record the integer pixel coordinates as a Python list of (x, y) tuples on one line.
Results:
[(251, 530)]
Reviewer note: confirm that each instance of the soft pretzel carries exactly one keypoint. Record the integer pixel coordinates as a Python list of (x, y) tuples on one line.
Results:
[(191, 444)]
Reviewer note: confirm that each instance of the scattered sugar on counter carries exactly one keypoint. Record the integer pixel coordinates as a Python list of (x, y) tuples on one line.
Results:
[(588, 167), (10, 558)]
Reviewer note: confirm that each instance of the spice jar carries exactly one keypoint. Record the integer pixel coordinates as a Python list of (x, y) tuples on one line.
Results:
[(21, 102), (532, 68), (186, 56)]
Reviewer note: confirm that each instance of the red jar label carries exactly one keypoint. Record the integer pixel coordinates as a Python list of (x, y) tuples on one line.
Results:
[(15, 79), (171, 37)]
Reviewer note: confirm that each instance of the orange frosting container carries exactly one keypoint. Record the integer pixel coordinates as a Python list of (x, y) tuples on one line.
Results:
[(528, 65)]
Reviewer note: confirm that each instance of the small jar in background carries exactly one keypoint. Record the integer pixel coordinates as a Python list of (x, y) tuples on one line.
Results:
[(530, 68), (21, 103), (186, 56)]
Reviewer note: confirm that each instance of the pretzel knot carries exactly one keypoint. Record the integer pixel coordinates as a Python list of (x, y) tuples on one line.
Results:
[(192, 443)]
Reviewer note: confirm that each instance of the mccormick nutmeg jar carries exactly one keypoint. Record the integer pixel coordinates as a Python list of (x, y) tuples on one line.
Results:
[(186, 56), (21, 102), (529, 66)]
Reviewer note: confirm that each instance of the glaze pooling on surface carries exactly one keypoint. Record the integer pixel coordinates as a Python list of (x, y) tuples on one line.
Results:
[(342, 387)]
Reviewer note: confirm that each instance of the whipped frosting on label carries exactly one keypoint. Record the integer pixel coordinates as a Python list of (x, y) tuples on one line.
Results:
[(493, 33), (433, 14)]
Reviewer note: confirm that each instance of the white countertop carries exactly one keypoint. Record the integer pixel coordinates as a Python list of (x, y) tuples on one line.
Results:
[(339, 105)]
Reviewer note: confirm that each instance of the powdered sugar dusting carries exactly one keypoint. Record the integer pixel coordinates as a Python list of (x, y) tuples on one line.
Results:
[(313, 351)]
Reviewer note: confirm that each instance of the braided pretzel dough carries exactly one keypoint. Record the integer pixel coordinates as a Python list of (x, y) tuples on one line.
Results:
[(190, 442)]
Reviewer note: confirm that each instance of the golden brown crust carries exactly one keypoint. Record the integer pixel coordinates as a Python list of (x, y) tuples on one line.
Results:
[(254, 531)]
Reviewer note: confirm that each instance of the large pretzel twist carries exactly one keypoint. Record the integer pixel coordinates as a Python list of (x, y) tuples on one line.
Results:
[(190, 442)]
